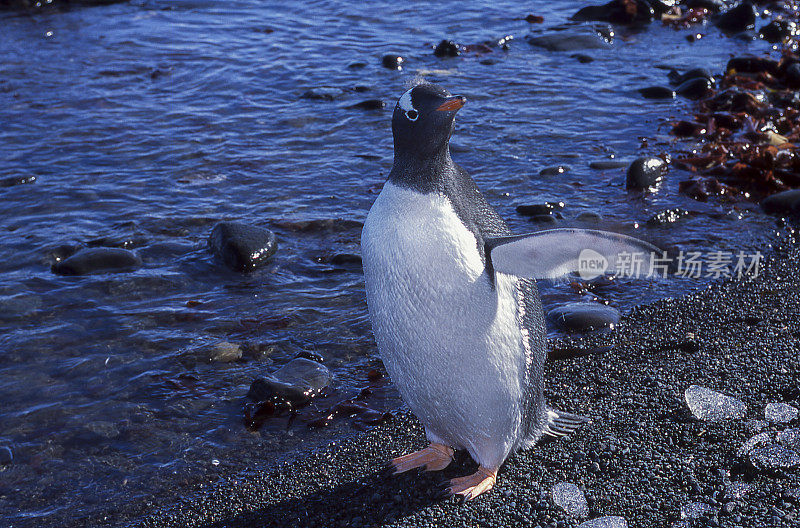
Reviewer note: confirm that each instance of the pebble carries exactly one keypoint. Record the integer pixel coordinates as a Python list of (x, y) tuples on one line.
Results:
[(609, 521), (225, 352), (785, 202), (17, 180), (707, 404), (392, 61), (753, 442), (607, 164), (447, 48), (657, 92), (618, 12), (571, 499), (677, 78), (6, 456), (323, 93), (242, 247), (554, 171), (298, 381), (695, 89), (695, 510), (98, 260), (738, 19), (369, 104), (645, 173), (736, 490), (780, 413), (790, 438), (585, 317), (567, 41), (774, 457)]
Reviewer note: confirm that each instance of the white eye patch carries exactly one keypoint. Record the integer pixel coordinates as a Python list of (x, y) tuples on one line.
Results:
[(407, 106)]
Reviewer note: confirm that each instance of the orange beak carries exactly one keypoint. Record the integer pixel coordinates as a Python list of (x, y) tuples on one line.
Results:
[(451, 104)]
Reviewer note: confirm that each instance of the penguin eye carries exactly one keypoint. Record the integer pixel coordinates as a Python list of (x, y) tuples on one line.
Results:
[(412, 115)]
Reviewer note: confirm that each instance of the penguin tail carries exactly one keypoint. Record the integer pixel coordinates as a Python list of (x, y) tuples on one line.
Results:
[(560, 423)]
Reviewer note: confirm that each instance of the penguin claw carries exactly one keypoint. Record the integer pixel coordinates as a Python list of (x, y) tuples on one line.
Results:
[(435, 457), (469, 487)]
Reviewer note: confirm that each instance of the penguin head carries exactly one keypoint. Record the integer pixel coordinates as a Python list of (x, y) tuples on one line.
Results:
[(423, 120)]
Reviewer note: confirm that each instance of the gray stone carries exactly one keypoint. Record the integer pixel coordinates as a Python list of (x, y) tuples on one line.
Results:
[(790, 438), (710, 405), (780, 413), (645, 173), (760, 439), (242, 247), (774, 456), (571, 499), (584, 317), (225, 352), (737, 490), (298, 381), (609, 521), (695, 510)]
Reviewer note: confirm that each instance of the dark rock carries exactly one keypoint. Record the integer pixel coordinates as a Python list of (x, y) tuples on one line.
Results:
[(534, 19), (589, 217), (543, 219), (447, 48), (540, 209), (783, 203), (17, 180), (660, 7), (322, 93), (342, 259), (297, 382), (361, 88), (657, 92), (554, 171), (688, 129), (583, 59), (779, 30), (584, 317), (738, 19), (392, 61), (677, 78), (6, 456), (695, 89), (357, 65), (322, 225), (567, 41), (369, 104), (608, 164), (98, 260), (753, 65), (645, 173), (713, 6), (667, 216), (793, 75), (242, 247), (627, 12)]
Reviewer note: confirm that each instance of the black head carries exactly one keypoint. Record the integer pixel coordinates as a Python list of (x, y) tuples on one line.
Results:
[(423, 120)]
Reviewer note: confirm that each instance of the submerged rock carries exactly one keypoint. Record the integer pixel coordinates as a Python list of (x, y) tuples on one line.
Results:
[(554, 171), (98, 260), (392, 61), (225, 352), (567, 41), (10, 181), (571, 499), (738, 19), (242, 247), (323, 93), (677, 78), (780, 412), (657, 92), (774, 457), (584, 317), (369, 104), (785, 202), (779, 30), (626, 12), (609, 521), (645, 173), (297, 382), (695, 88), (447, 48), (710, 405), (607, 164), (6, 456)]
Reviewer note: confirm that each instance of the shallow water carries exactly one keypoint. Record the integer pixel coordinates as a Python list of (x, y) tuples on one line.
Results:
[(146, 123)]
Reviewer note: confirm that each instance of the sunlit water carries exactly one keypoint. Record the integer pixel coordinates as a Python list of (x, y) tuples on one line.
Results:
[(147, 123)]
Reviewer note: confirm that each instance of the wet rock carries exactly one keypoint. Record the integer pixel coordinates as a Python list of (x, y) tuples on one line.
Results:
[(695, 89), (447, 48), (369, 104), (567, 41), (792, 75), (738, 19), (571, 499), (774, 457), (753, 442), (323, 93), (584, 317), (714, 6), (778, 30), (346, 259), (790, 438), (534, 19), (677, 78), (589, 217), (659, 7), (657, 92), (753, 65), (98, 260), (783, 203), (667, 216), (582, 58), (627, 12), (608, 164), (323, 225), (688, 129), (557, 170), (297, 382), (6, 456), (609, 521), (645, 173), (540, 209), (18, 306), (780, 413), (696, 510), (357, 65), (242, 247), (17, 180), (710, 405), (392, 61), (225, 352)]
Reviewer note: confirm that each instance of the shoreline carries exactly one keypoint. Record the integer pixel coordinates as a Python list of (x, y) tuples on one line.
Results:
[(643, 457)]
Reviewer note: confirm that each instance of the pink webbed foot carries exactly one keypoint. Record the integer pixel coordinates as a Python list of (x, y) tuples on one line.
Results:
[(435, 457), (473, 485)]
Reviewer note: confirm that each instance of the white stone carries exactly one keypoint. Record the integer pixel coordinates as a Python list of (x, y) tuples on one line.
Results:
[(571, 499), (610, 521), (695, 510), (753, 442), (736, 490), (790, 438), (707, 404), (780, 413)]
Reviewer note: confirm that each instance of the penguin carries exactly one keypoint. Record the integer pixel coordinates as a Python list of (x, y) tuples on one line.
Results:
[(453, 301)]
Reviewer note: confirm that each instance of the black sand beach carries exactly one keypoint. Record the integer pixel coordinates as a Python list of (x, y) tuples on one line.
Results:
[(644, 457)]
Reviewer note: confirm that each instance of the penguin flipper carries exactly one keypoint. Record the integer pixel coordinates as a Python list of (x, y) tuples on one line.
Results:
[(560, 423), (554, 253)]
